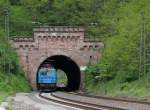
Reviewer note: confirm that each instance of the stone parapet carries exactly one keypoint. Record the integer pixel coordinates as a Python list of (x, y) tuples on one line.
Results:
[(59, 29), (22, 39)]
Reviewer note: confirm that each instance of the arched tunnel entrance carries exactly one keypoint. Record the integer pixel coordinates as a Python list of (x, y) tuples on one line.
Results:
[(70, 68)]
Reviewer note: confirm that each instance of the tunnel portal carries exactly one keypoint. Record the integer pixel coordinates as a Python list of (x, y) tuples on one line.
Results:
[(71, 69), (57, 42)]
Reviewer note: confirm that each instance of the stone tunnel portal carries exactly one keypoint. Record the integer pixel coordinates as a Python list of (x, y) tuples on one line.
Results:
[(71, 69)]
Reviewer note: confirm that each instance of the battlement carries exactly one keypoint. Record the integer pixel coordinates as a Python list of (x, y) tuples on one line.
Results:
[(59, 29), (22, 39), (91, 40), (92, 46), (58, 37), (56, 33)]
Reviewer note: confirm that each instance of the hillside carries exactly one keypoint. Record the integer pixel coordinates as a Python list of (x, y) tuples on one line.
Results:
[(12, 78), (124, 68), (120, 24)]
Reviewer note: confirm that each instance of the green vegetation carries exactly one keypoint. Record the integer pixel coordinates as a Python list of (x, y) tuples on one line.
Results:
[(12, 78), (117, 74), (118, 23), (62, 78), (9, 85)]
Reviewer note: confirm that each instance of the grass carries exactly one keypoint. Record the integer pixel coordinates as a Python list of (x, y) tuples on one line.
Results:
[(136, 89), (11, 84), (3, 96), (9, 108)]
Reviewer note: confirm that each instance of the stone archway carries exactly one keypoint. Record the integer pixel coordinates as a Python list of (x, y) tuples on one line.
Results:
[(71, 69)]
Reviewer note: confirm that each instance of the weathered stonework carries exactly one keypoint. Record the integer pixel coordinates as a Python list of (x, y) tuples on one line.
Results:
[(54, 40)]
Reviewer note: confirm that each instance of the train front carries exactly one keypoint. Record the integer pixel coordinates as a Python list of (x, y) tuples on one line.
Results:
[(47, 78)]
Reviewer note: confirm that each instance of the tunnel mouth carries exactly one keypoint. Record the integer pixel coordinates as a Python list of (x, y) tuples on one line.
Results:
[(69, 67)]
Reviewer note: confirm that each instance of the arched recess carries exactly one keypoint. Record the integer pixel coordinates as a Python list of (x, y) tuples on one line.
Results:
[(71, 69)]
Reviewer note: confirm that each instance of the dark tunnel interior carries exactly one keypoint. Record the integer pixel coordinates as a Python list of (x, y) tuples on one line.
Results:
[(71, 69)]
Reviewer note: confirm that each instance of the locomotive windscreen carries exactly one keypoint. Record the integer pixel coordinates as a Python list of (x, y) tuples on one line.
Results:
[(47, 76)]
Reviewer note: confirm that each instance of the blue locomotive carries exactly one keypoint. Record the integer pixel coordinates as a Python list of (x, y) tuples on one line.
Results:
[(47, 78)]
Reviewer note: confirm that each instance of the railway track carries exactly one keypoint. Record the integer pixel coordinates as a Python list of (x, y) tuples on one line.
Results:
[(112, 98), (77, 104), (128, 104)]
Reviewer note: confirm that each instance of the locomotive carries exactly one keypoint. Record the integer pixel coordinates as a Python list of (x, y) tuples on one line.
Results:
[(47, 78)]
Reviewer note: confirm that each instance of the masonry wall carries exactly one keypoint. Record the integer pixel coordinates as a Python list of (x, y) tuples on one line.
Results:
[(50, 41)]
